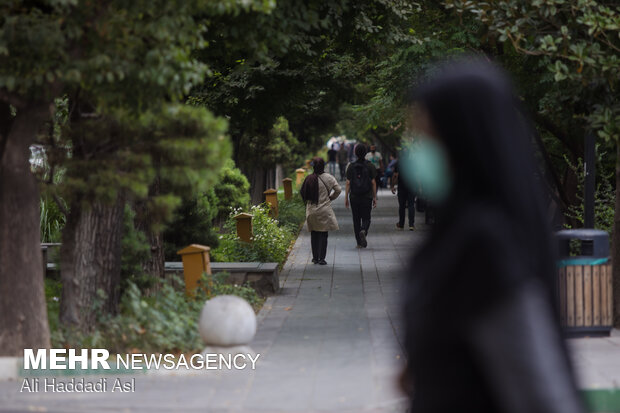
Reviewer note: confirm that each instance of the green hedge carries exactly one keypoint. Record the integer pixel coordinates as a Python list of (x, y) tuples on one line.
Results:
[(272, 237)]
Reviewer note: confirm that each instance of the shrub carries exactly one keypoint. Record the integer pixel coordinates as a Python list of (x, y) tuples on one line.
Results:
[(269, 244), (232, 190), (165, 322), (193, 225), (197, 219), (292, 213)]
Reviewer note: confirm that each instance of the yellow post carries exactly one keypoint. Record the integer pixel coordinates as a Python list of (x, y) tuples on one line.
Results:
[(271, 197), (301, 173), (308, 166), (288, 188), (196, 261), (244, 226)]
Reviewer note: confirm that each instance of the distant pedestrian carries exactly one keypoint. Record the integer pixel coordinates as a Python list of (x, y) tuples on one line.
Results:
[(361, 194), (318, 191), (351, 150), (406, 198), (389, 170), (481, 313), (332, 157), (375, 157), (343, 160)]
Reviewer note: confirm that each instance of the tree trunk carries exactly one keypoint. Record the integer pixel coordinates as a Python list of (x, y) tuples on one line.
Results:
[(256, 176), (23, 311), (615, 245), (90, 260)]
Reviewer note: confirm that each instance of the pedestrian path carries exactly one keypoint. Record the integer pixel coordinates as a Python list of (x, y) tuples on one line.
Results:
[(334, 333), (331, 341)]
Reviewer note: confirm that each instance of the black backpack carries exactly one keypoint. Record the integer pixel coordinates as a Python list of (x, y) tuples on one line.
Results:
[(361, 183)]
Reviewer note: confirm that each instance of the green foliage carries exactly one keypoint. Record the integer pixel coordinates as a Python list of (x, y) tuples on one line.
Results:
[(581, 41), (292, 213), (52, 221), (270, 242), (231, 190), (604, 198), (164, 322), (299, 62), (53, 290), (131, 52), (380, 110), (218, 284), (197, 219), (278, 146), (193, 225), (135, 250)]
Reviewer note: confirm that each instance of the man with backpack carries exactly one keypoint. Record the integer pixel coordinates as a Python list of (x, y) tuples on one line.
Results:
[(361, 193)]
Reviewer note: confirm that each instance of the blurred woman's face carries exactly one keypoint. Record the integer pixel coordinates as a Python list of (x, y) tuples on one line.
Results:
[(426, 162), (420, 122)]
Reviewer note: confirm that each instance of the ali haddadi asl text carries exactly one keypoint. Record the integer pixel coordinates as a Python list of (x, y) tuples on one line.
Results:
[(74, 385)]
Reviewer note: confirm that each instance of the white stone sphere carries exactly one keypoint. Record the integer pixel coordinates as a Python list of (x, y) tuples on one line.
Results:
[(227, 320)]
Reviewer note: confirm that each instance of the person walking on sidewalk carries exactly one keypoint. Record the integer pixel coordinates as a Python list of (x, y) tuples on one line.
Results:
[(318, 191), (406, 198), (487, 268), (343, 160), (332, 156), (376, 159), (361, 194)]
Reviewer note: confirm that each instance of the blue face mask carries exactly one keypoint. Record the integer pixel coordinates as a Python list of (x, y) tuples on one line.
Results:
[(424, 163)]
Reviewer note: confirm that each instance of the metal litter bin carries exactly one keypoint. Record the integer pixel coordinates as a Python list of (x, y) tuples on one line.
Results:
[(585, 282)]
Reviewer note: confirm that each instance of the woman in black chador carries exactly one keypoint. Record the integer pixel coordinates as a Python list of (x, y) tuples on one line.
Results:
[(482, 330)]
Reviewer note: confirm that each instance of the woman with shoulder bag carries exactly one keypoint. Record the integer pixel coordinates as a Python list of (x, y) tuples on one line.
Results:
[(317, 191)]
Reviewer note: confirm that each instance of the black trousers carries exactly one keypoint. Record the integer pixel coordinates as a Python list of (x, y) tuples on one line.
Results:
[(406, 200), (318, 240), (361, 207), (343, 171)]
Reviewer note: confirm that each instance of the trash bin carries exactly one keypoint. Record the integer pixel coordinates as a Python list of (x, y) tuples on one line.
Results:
[(585, 282)]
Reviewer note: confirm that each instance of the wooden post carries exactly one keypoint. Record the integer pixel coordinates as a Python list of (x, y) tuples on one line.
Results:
[(244, 226), (308, 166), (301, 173), (288, 188), (196, 261), (271, 197)]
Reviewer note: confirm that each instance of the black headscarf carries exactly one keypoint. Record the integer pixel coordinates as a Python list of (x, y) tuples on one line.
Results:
[(490, 244), (310, 188), (475, 114)]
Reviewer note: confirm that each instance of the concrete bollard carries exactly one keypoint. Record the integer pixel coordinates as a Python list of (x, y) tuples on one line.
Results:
[(271, 197), (227, 325), (244, 226), (288, 188), (196, 261), (301, 173)]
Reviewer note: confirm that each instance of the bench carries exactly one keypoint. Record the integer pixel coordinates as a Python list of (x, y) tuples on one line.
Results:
[(262, 276)]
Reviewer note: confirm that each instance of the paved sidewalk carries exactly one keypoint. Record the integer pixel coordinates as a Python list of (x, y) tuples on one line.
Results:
[(330, 342), (597, 361)]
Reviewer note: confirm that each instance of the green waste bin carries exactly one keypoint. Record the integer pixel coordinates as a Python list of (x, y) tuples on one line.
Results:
[(585, 282)]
